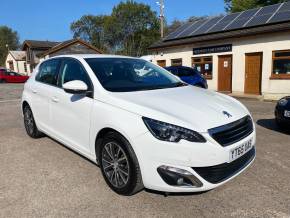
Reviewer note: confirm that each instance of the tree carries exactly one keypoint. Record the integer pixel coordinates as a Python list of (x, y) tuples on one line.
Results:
[(91, 29), (10, 38), (241, 5), (129, 30)]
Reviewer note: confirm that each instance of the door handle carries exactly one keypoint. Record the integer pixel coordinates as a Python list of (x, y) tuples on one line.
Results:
[(34, 91), (55, 99)]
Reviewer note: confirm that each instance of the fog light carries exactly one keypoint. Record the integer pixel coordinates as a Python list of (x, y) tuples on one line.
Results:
[(178, 177)]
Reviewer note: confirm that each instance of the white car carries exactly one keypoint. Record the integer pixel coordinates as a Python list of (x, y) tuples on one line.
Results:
[(149, 131)]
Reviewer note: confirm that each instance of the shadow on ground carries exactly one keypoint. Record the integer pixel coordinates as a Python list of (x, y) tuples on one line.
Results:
[(271, 125)]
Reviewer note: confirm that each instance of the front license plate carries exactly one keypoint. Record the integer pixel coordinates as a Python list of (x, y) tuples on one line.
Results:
[(286, 113), (241, 150)]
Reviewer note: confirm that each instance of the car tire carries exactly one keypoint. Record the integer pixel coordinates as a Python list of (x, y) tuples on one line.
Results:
[(2, 81), (29, 123), (119, 165)]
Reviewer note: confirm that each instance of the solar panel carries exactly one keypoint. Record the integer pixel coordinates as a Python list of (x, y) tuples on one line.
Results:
[(263, 15), (283, 14), (191, 28), (250, 18), (285, 7), (207, 26), (177, 31), (242, 19), (239, 23), (279, 17), (268, 9), (224, 22), (259, 20), (248, 14)]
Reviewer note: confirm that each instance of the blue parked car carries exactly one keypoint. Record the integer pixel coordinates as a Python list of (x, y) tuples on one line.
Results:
[(188, 75)]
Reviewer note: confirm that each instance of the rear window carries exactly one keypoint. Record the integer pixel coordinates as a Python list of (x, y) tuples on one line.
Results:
[(186, 72)]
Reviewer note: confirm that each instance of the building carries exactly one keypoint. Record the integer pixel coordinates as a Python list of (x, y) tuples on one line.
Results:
[(33, 48), (73, 46), (16, 61), (239, 53), (33, 52)]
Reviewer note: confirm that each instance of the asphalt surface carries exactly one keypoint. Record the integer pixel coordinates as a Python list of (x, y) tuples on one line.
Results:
[(42, 178)]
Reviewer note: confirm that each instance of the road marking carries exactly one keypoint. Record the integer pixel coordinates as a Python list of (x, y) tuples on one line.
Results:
[(12, 100)]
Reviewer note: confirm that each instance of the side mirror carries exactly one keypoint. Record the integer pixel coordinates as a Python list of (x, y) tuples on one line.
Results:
[(75, 87)]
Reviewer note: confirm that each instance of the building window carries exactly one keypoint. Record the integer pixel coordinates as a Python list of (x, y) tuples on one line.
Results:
[(203, 65), (281, 65), (161, 63), (25, 67), (176, 62)]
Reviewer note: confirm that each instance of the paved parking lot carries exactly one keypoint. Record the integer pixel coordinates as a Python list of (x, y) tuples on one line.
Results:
[(42, 178)]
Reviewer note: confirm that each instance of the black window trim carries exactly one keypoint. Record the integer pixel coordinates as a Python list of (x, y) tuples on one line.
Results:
[(90, 93), (58, 68)]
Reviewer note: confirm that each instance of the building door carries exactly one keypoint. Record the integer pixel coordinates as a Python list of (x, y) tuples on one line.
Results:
[(225, 73), (161, 63), (11, 65), (253, 73)]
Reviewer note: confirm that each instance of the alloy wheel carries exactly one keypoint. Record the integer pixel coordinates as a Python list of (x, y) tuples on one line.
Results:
[(115, 164), (28, 120)]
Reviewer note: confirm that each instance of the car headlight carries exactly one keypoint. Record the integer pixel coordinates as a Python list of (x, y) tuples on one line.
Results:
[(171, 133), (283, 102)]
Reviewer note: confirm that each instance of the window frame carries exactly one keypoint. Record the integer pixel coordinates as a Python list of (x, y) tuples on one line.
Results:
[(176, 59), (203, 61), (58, 68), (279, 76), (90, 93)]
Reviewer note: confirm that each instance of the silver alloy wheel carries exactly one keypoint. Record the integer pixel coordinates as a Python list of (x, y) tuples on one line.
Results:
[(28, 120), (115, 164)]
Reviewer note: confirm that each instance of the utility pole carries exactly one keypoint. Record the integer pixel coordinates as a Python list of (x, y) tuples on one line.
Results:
[(161, 16)]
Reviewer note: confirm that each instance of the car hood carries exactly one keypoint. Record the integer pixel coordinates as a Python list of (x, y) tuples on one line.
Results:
[(188, 106)]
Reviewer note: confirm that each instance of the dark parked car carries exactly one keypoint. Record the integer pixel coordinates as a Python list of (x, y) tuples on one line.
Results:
[(282, 112), (188, 75), (12, 77)]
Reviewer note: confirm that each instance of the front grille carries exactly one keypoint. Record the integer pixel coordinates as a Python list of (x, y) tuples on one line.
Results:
[(222, 172), (233, 132)]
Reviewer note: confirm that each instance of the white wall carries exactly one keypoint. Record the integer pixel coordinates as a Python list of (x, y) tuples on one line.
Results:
[(18, 65), (271, 89)]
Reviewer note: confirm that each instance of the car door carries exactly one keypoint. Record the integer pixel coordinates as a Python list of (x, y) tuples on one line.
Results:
[(71, 113), (9, 77), (16, 78), (45, 83)]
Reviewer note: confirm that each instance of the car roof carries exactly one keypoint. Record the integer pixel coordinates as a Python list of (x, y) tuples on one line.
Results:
[(84, 56), (185, 67)]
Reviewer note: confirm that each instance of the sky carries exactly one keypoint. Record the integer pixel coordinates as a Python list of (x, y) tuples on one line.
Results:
[(51, 19)]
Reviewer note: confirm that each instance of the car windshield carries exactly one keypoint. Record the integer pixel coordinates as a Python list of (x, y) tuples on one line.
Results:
[(129, 75)]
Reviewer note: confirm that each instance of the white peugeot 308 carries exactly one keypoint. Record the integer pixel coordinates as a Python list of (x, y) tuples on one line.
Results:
[(141, 124)]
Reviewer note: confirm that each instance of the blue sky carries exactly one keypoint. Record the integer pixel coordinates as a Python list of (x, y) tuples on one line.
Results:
[(50, 19)]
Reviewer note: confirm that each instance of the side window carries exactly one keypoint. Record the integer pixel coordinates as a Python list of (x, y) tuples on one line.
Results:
[(185, 72), (48, 72), (73, 70), (173, 71)]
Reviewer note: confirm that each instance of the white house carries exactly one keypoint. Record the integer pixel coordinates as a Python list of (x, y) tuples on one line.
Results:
[(16, 61)]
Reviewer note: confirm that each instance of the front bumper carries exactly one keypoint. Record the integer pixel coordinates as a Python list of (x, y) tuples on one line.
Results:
[(153, 153)]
